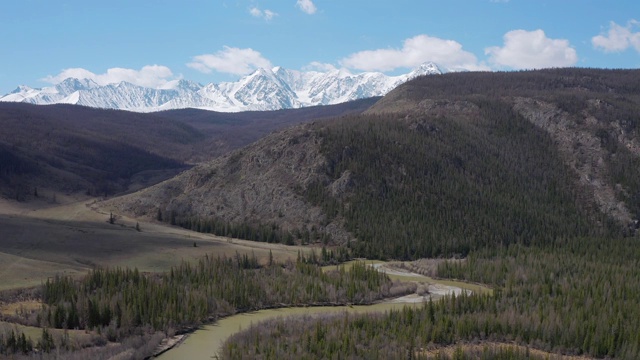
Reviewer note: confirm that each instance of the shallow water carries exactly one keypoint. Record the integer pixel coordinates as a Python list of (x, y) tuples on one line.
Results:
[(205, 342)]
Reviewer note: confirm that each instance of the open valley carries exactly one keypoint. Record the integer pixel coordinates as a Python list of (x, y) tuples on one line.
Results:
[(461, 215)]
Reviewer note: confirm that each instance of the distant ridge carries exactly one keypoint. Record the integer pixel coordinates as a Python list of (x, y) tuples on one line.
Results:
[(440, 165), (263, 90)]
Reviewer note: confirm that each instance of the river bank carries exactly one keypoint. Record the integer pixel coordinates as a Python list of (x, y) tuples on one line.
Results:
[(205, 342)]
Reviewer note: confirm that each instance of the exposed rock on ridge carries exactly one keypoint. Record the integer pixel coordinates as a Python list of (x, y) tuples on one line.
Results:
[(260, 184), (581, 150)]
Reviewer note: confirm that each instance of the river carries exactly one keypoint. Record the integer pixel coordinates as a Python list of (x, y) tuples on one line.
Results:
[(205, 342)]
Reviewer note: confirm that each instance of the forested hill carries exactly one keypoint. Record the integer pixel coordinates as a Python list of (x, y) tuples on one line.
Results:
[(441, 165), (591, 115), (68, 149)]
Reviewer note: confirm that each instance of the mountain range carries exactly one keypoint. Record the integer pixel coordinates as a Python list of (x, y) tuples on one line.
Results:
[(441, 164), (263, 90), (526, 181)]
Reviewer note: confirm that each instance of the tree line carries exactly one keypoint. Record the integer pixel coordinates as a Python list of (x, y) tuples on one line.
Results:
[(121, 303), (429, 186), (576, 296)]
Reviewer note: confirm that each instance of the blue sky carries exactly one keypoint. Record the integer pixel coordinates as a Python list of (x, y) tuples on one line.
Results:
[(151, 42)]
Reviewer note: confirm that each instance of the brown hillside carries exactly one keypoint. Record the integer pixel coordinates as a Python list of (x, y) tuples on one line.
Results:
[(441, 164), (49, 150), (259, 184)]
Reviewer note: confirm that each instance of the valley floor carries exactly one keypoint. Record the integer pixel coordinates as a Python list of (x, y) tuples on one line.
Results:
[(38, 241)]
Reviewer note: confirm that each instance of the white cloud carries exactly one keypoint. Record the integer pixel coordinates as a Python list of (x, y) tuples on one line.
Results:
[(619, 38), (318, 66), (230, 60), (254, 11), (153, 76), (307, 6), (532, 50), (415, 51), (268, 14), (265, 14)]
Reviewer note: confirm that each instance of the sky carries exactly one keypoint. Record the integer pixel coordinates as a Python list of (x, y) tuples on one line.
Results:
[(152, 42)]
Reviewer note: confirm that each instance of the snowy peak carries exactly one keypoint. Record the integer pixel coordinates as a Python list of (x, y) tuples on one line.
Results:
[(21, 94), (264, 89), (22, 89), (73, 84), (182, 85), (425, 69)]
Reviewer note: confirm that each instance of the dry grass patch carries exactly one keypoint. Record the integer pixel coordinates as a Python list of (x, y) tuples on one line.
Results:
[(450, 351), (80, 338), (73, 238), (13, 308)]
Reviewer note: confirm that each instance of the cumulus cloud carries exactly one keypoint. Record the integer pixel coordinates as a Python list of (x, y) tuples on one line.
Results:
[(318, 66), (153, 76), (230, 60), (532, 50), (265, 14), (307, 6), (619, 38), (415, 51)]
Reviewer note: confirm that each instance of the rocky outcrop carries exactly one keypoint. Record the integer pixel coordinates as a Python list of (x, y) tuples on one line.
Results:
[(581, 150), (262, 183)]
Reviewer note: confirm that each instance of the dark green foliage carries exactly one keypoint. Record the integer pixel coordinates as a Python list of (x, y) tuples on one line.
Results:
[(15, 342), (354, 337), (46, 342), (270, 233), (333, 256), (577, 296), (428, 186), (549, 84), (625, 170), (611, 96), (126, 300)]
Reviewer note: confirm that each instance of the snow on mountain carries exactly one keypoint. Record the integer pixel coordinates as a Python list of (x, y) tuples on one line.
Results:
[(264, 89), (20, 94)]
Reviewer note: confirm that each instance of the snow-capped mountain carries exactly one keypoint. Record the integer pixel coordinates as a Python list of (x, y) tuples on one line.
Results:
[(264, 89)]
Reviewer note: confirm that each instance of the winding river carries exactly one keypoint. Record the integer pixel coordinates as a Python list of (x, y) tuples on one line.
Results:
[(205, 342)]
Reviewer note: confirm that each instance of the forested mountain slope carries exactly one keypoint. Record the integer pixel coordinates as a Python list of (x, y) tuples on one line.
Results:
[(69, 148), (591, 115), (441, 165)]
